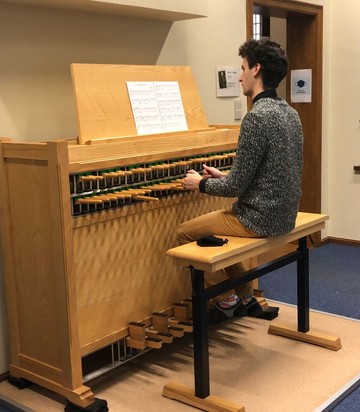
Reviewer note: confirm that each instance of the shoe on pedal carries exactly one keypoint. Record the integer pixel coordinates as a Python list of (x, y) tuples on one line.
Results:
[(219, 314), (240, 309)]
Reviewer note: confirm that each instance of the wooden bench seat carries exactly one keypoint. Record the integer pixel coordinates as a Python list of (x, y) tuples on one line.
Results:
[(200, 259), (239, 248)]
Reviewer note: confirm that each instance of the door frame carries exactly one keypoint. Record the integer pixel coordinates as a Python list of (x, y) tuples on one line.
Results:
[(304, 33)]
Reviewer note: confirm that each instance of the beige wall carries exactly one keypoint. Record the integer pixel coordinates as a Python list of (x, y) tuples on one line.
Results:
[(37, 46), (341, 115), (206, 44), (343, 186)]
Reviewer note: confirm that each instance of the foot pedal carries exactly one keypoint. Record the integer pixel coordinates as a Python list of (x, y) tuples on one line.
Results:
[(177, 332), (137, 338), (153, 343), (185, 326), (165, 337), (160, 321), (181, 312)]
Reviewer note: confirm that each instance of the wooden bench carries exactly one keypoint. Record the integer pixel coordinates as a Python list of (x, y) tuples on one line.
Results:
[(201, 259)]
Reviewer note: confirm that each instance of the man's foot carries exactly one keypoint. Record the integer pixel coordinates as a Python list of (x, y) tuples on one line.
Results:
[(219, 314), (269, 314)]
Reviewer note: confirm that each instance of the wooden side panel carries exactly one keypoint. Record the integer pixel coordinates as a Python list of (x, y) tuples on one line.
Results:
[(103, 104), (7, 263), (33, 260), (37, 272)]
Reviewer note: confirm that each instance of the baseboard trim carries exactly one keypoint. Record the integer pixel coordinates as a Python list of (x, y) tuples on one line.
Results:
[(4, 376), (342, 241)]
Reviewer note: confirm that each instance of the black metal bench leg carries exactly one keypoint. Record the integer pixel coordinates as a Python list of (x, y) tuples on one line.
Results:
[(200, 335), (303, 286)]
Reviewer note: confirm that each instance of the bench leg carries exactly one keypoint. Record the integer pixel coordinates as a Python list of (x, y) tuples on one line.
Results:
[(200, 335), (184, 394), (302, 333), (303, 286), (200, 397), (319, 339)]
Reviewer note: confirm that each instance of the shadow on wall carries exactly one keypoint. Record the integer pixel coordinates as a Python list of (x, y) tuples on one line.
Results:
[(37, 46)]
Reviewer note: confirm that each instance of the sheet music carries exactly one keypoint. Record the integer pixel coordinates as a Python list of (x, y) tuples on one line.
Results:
[(157, 107)]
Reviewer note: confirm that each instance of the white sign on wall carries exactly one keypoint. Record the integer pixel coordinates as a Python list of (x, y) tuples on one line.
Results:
[(301, 86), (227, 81)]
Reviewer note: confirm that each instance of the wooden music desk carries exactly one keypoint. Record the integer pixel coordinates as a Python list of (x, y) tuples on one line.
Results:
[(201, 259)]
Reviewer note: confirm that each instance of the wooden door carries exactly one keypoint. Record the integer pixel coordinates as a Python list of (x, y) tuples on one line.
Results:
[(304, 36)]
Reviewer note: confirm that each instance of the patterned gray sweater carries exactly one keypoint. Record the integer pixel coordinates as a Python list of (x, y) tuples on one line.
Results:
[(266, 173)]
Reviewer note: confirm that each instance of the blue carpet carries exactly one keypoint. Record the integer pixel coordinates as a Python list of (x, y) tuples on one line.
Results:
[(8, 405), (350, 404), (334, 281), (334, 288)]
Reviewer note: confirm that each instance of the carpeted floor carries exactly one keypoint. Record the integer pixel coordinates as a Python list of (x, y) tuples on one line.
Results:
[(10, 405), (334, 281), (334, 288), (248, 366)]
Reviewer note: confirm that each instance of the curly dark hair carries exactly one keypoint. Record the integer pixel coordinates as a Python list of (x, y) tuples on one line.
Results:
[(271, 57)]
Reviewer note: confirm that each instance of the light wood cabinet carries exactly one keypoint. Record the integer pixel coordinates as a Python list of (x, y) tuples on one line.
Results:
[(76, 276)]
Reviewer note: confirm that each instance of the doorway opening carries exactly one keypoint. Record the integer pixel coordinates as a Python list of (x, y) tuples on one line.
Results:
[(298, 27)]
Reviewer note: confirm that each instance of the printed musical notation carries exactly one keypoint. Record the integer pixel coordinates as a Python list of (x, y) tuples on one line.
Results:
[(157, 107)]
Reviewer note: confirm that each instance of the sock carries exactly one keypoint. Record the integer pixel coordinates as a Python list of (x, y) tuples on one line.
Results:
[(229, 302), (247, 299)]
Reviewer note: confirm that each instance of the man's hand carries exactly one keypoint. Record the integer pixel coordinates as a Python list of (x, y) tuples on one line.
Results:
[(209, 172), (191, 180)]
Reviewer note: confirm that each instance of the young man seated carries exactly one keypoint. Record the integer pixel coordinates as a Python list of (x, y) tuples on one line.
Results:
[(265, 176)]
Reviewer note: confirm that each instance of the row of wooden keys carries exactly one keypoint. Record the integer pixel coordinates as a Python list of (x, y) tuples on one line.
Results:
[(156, 168), (142, 193)]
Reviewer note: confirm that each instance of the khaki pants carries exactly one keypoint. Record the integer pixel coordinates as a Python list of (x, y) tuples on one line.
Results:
[(222, 223)]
